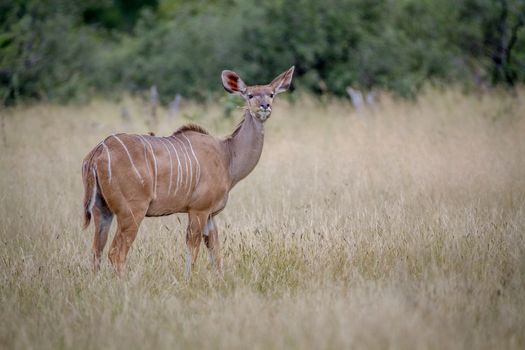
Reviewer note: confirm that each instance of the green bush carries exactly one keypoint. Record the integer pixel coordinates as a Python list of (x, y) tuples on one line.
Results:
[(44, 53), (62, 50)]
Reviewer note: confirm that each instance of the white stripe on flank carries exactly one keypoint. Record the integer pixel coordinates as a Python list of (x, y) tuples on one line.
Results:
[(129, 156), (171, 164), (154, 163), (189, 158), (145, 153), (179, 167), (185, 160), (109, 160), (196, 160)]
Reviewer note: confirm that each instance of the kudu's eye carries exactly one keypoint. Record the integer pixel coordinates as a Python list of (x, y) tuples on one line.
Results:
[(250, 96), (271, 95)]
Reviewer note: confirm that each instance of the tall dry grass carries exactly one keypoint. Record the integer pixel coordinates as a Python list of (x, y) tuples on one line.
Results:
[(402, 228)]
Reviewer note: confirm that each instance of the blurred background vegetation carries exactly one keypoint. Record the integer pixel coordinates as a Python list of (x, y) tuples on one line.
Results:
[(62, 50)]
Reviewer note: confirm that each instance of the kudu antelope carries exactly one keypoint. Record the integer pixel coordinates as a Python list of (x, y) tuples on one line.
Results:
[(133, 176)]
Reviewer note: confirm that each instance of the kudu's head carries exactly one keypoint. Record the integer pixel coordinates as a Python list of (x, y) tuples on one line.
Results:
[(258, 98)]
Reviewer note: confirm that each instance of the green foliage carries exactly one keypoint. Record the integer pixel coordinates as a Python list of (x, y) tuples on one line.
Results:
[(116, 14), (44, 54), (62, 50)]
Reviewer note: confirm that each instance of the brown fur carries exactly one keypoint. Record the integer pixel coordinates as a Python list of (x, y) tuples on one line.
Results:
[(134, 176)]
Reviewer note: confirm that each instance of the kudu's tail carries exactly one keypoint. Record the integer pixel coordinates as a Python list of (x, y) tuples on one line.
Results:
[(89, 178)]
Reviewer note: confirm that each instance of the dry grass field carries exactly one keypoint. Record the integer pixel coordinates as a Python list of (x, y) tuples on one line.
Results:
[(403, 228)]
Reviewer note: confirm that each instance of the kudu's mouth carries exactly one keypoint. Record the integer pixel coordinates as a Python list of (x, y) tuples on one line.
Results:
[(263, 114)]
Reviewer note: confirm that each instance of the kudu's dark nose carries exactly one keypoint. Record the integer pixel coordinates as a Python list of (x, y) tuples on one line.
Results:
[(265, 105)]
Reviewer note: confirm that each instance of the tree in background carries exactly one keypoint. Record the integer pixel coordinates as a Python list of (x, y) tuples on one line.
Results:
[(121, 15), (63, 50), (502, 35), (45, 52)]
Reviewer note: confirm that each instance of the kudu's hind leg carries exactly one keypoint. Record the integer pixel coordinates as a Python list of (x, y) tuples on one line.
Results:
[(211, 239), (128, 227), (196, 225), (102, 217)]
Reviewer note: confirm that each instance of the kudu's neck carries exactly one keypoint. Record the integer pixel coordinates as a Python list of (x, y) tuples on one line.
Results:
[(244, 147)]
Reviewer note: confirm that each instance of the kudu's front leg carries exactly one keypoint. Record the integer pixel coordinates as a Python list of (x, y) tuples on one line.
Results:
[(196, 224)]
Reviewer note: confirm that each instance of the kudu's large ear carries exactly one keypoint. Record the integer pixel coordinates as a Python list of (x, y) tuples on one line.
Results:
[(232, 82), (283, 81)]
